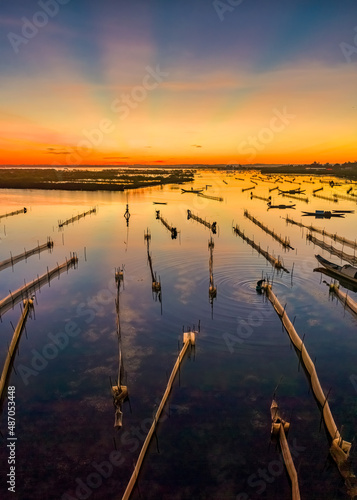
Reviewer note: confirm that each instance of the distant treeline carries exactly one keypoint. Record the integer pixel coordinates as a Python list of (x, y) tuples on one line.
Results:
[(90, 180), (347, 169)]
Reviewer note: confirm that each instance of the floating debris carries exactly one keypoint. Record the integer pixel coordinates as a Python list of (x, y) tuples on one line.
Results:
[(77, 217), (212, 226), (27, 253), (284, 242), (273, 261)]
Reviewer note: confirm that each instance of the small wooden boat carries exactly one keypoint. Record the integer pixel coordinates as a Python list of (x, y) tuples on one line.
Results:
[(346, 272), (160, 202), (280, 206), (322, 214), (191, 190)]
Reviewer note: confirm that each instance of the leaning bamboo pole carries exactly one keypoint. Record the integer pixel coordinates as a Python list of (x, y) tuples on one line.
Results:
[(279, 429), (28, 304), (339, 448), (188, 338), (27, 253), (21, 293)]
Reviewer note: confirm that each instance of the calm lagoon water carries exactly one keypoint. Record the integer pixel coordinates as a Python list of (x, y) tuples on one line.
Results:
[(214, 441)]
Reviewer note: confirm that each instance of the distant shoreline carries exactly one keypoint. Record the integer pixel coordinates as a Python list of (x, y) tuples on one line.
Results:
[(120, 178)]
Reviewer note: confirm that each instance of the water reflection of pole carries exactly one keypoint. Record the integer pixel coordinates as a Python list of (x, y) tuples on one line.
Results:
[(156, 284), (212, 291), (119, 391), (127, 214)]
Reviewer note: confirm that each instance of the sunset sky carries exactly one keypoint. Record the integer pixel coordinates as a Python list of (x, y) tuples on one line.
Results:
[(178, 82)]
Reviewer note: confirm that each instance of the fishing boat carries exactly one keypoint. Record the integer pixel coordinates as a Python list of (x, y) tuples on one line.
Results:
[(191, 190), (346, 272), (322, 214)]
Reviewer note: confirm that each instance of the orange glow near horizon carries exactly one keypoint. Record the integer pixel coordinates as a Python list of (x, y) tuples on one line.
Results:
[(293, 115)]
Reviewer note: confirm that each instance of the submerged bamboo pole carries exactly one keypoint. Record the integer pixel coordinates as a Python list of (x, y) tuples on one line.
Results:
[(23, 292), (188, 338), (327, 198), (17, 212), (13, 260), (172, 229), (284, 242), (279, 429), (352, 259), (211, 225), (339, 448), (273, 261), (28, 304), (295, 197), (343, 297), (333, 236), (210, 197), (76, 217)]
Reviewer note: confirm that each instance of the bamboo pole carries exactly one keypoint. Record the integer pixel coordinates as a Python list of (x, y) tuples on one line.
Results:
[(13, 260), (23, 292), (28, 304), (188, 338)]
